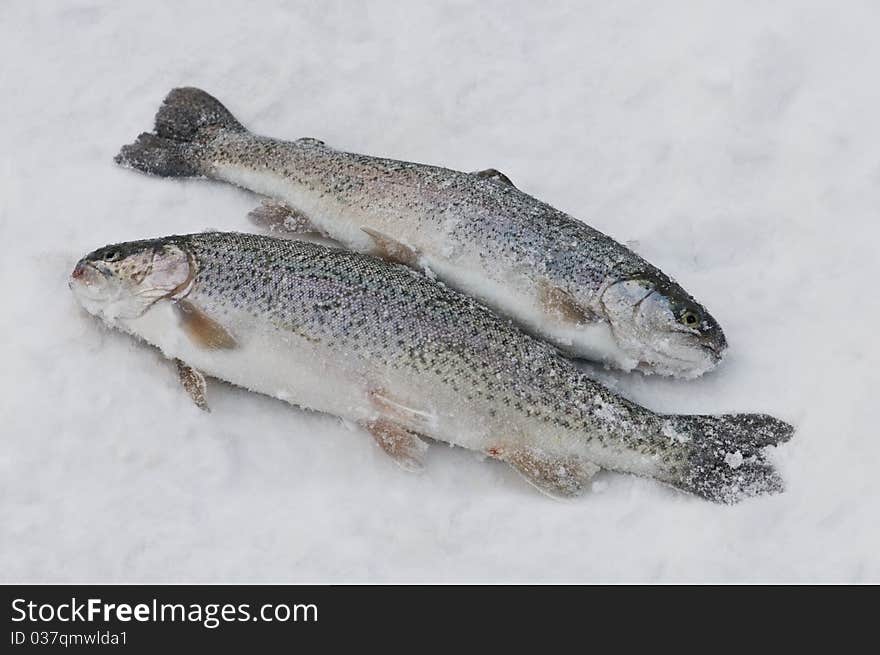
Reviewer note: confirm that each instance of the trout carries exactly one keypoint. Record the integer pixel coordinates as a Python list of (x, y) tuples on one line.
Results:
[(407, 359), (558, 278)]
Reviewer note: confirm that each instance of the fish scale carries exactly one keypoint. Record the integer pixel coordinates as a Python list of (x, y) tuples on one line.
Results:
[(323, 292), (511, 228)]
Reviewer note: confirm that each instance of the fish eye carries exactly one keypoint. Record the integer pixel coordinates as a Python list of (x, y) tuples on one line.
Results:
[(690, 318), (111, 256)]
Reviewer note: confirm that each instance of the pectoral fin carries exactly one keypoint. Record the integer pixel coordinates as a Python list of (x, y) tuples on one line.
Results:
[(398, 411), (556, 476), (563, 306), (495, 174), (276, 216), (193, 383), (202, 330), (404, 447), (390, 249)]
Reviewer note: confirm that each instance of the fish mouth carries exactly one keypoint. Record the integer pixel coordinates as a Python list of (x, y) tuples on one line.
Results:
[(78, 270), (90, 285), (689, 362), (715, 344), (715, 352), (84, 276)]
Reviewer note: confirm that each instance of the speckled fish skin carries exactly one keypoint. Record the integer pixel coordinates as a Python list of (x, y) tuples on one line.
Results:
[(333, 330), (557, 277)]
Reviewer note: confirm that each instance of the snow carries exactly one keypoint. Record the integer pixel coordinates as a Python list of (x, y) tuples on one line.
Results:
[(734, 143)]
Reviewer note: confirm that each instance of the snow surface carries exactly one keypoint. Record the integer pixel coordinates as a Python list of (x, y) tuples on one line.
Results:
[(735, 145)]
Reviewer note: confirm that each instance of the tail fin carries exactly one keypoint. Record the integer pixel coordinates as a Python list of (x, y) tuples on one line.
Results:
[(188, 110), (724, 458), (186, 120), (154, 155)]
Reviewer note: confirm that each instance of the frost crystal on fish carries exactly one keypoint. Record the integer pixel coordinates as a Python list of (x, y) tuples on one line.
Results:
[(734, 460)]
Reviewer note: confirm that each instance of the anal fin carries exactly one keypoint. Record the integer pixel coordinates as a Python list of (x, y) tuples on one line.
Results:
[(279, 217), (402, 445), (563, 306), (202, 330), (193, 383), (391, 249), (557, 476)]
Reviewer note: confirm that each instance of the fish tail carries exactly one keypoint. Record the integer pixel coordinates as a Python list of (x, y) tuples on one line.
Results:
[(723, 458), (187, 119)]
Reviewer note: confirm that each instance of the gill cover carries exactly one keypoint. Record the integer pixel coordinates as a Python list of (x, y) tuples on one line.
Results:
[(124, 280)]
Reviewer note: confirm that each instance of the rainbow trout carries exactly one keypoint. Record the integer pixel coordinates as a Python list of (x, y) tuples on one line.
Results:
[(558, 278), (405, 358)]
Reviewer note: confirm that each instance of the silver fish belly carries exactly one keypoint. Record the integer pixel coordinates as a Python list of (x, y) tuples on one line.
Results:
[(557, 277), (404, 357)]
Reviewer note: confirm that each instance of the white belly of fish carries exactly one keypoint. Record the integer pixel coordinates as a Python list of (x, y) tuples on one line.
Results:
[(298, 371), (291, 370)]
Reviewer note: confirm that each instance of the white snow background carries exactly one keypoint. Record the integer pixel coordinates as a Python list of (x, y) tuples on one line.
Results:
[(734, 144)]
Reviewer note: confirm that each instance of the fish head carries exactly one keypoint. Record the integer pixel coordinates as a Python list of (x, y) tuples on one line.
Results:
[(124, 280), (658, 325)]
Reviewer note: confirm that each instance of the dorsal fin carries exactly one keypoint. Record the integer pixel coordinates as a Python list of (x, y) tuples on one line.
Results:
[(310, 141), (496, 175)]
